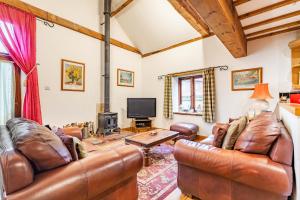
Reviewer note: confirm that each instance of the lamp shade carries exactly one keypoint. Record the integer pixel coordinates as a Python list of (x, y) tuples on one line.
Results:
[(261, 92)]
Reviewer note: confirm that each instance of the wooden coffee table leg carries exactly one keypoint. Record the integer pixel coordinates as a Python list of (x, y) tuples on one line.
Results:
[(146, 157)]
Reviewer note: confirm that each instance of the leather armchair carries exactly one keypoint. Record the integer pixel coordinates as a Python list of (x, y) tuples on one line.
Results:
[(208, 172)]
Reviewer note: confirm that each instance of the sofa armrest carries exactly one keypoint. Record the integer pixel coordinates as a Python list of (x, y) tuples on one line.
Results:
[(85, 179), (258, 171)]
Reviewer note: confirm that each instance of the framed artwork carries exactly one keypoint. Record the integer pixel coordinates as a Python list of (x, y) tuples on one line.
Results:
[(246, 79), (72, 76), (125, 78)]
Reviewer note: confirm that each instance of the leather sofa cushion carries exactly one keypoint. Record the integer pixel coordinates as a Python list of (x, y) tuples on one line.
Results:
[(259, 135), (219, 131), (282, 150), (16, 172), (44, 149)]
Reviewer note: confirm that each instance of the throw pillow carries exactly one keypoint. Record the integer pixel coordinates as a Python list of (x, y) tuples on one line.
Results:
[(232, 138), (43, 148), (73, 144), (81, 152), (68, 142), (232, 130), (259, 135), (219, 131)]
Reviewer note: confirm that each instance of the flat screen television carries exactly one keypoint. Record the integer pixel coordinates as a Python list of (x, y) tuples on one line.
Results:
[(141, 107)]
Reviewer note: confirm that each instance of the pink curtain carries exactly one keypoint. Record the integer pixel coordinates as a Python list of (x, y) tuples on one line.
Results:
[(18, 34)]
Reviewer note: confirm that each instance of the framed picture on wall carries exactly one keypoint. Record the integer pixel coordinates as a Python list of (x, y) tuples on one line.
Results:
[(246, 79), (72, 76), (125, 78)]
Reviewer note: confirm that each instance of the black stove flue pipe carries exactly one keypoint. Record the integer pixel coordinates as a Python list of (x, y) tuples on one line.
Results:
[(107, 13)]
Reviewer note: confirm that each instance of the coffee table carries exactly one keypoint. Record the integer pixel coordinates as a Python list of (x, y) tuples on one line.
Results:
[(146, 141)]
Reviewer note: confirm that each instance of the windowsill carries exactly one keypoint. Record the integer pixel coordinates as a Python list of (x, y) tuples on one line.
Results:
[(187, 113)]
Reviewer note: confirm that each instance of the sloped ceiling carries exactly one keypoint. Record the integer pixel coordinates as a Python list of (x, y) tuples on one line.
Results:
[(257, 4), (153, 24)]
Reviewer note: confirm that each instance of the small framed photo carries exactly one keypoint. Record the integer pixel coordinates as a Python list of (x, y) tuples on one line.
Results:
[(125, 78), (72, 76), (246, 79)]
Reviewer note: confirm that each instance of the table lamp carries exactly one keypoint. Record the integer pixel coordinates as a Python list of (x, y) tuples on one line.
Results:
[(261, 94)]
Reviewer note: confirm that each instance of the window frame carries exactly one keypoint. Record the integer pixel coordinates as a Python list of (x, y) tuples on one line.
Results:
[(193, 95), (18, 104)]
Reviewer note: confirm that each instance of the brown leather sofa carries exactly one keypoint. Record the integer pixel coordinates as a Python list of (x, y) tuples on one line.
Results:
[(210, 173), (101, 175)]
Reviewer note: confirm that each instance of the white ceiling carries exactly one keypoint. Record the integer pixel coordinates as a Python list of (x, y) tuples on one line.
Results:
[(257, 4), (153, 24)]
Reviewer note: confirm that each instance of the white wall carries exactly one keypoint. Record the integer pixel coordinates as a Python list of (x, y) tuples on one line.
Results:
[(292, 123), (53, 44), (272, 53)]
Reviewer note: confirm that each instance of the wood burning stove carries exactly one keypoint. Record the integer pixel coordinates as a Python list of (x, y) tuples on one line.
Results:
[(107, 123)]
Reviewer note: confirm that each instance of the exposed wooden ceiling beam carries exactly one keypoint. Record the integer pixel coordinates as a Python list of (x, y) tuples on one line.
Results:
[(186, 11), (275, 33), (267, 8), (288, 25), (176, 45), (42, 14), (240, 2), (222, 18), (275, 19), (119, 9)]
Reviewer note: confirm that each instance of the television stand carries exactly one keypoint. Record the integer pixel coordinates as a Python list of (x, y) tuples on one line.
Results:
[(141, 125)]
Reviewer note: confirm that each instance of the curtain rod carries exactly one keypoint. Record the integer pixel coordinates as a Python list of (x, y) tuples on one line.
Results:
[(221, 68), (46, 23)]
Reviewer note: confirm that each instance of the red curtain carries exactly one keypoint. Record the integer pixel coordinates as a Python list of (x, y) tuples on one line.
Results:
[(18, 34)]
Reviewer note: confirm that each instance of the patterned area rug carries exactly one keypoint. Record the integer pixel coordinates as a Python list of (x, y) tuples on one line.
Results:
[(158, 180), (155, 182)]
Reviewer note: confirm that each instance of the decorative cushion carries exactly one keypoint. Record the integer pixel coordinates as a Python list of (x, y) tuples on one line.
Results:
[(230, 139), (81, 152), (259, 135), (231, 132), (219, 131), (68, 142), (43, 148)]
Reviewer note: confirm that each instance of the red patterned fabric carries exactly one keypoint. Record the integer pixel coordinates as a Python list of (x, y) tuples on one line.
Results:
[(18, 34)]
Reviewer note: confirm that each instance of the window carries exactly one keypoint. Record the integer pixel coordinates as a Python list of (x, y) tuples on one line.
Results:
[(190, 93), (10, 88)]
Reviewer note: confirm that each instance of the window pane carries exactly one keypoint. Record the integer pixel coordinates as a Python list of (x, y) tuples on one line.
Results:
[(2, 48), (186, 95), (7, 29), (198, 94), (7, 92)]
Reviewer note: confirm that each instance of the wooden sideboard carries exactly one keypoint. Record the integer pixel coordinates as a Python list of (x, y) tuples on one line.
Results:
[(295, 48)]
